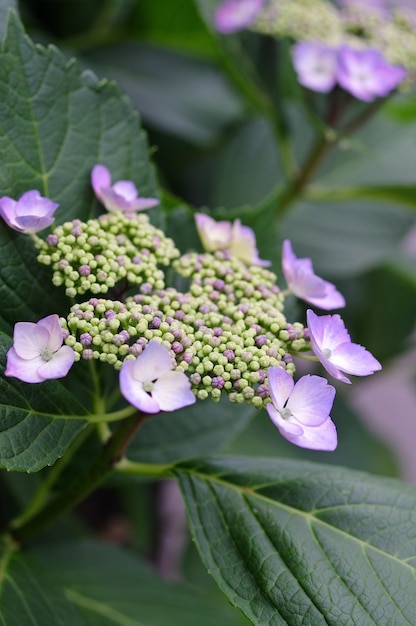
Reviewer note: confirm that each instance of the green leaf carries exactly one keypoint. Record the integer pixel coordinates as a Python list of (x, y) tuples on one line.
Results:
[(5, 5), (403, 194), (201, 429), (57, 122), (100, 585), (35, 430), (294, 543)]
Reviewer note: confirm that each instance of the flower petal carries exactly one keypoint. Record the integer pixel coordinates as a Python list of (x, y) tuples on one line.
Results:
[(8, 212), (315, 65), (214, 235), (132, 389), (154, 361), (243, 245), (311, 400), (52, 325), (23, 369), (355, 359), (59, 365), (280, 386), (233, 15), (172, 391), (126, 189), (326, 331), (30, 340), (100, 179), (323, 437), (286, 426)]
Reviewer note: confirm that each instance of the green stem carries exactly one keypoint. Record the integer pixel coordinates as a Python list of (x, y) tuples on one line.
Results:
[(124, 466), (84, 483)]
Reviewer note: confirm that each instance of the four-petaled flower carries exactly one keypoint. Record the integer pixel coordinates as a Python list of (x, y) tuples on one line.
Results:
[(332, 345), (233, 15), (150, 384), (30, 214), (303, 282), (37, 353), (239, 240), (122, 196), (301, 411)]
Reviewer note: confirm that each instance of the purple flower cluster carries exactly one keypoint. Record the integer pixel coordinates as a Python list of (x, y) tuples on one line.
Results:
[(364, 73)]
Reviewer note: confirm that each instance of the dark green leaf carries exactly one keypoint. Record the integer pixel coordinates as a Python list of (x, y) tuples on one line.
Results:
[(294, 543), (34, 426), (5, 5), (204, 428)]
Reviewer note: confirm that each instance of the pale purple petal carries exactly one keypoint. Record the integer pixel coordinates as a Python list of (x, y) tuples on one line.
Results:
[(132, 389), (243, 245), (100, 179), (214, 235), (172, 391), (280, 386), (23, 369), (327, 331), (59, 364), (122, 196), (355, 359), (315, 65), (305, 284), (311, 400), (153, 362), (32, 203), (286, 427), (30, 214), (8, 212), (54, 329), (126, 189), (323, 437), (29, 340), (234, 15)]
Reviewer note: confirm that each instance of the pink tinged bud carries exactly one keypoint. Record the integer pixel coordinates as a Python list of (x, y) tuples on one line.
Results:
[(366, 74), (243, 245), (30, 214), (301, 411), (122, 196), (332, 345), (149, 383), (315, 65), (214, 235), (303, 282), (234, 15), (37, 353)]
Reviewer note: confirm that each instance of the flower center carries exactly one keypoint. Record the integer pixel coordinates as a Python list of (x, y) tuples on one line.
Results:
[(148, 386), (327, 353), (286, 413), (46, 355)]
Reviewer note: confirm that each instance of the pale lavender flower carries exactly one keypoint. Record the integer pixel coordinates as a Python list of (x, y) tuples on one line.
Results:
[(37, 353), (214, 235), (122, 196), (243, 245), (366, 74), (332, 345), (303, 282), (233, 15), (150, 384), (30, 214), (301, 411), (315, 65)]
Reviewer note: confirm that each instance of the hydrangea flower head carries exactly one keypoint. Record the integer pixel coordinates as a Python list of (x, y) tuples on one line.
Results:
[(37, 353), (301, 411), (150, 384), (233, 15), (30, 214), (366, 74), (303, 282), (332, 345), (315, 65), (214, 235), (121, 196)]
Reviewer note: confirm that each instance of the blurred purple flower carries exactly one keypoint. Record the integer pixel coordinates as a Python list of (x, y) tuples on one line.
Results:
[(301, 411), (233, 15), (122, 196), (37, 353), (214, 235), (243, 245), (332, 345), (30, 214), (149, 383), (315, 65), (303, 282), (366, 74)]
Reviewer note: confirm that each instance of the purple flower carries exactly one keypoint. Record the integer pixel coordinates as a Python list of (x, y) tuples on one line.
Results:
[(214, 235), (332, 345), (37, 353), (301, 411), (234, 15), (30, 214), (303, 282), (243, 245), (149, 383), (122, 196), (366, 74), (315, 65)]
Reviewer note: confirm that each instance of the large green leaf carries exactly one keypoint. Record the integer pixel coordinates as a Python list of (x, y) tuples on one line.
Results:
[(204, 428), (294, 543), (92, 584), (5, 5), (34, 426)]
